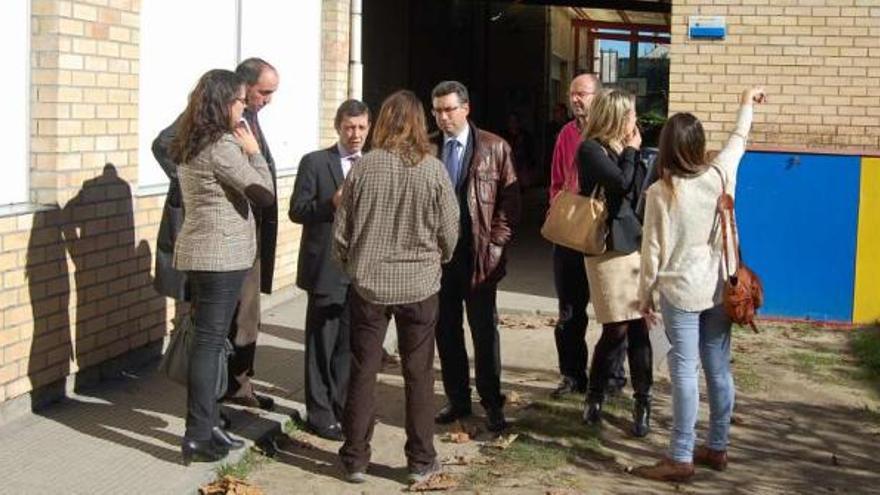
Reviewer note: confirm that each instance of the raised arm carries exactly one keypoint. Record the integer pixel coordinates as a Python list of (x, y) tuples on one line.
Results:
[(249, 176), (729, 157), (596, 166)]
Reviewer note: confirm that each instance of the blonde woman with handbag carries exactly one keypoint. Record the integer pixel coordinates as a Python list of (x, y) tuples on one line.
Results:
[(609, 163)]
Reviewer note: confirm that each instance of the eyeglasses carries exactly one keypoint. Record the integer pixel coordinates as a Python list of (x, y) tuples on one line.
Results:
[(242, 100), (447, 110)]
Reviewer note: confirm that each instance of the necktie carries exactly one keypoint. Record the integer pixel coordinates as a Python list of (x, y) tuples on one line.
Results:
[(450, 159)]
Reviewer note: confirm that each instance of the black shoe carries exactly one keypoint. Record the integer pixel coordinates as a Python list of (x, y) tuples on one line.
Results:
[(450, 413), (593, 412), (641, 418), (224, 422), (567, 385), (495, 421), (221, 437), (332, 432), (201, 451)]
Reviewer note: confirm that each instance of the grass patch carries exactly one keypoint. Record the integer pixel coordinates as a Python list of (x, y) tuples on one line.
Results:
[(815, 362), (244, 467), (865, 345), (747, 379)]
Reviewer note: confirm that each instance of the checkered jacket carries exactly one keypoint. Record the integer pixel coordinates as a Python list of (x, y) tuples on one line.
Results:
[(394, 227), (219, 231)]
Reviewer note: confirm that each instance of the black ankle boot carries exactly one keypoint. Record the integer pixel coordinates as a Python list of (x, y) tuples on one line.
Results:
[(221, 438), (641, 418), (593, 412), (201, 451)]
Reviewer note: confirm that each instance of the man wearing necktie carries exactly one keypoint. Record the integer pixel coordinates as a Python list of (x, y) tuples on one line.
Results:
[(481, 170), (316, 195), (261, 82)]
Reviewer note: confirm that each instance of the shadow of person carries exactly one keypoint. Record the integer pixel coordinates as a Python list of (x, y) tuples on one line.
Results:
[(49, 293), (117, 311), (116, 308)]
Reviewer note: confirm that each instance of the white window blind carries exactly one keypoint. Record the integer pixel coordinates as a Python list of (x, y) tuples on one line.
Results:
[(15, 35)]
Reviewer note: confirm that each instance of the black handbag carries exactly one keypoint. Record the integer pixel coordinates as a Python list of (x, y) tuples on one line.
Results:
[(175, 361)]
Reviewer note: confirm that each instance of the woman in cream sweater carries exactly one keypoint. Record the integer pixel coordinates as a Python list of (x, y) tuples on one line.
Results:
[(681, 261)]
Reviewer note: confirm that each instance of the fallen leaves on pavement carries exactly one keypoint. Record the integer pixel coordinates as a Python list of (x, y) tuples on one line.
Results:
[(229, 485), (436, 483), (503, 441), (457, 437)]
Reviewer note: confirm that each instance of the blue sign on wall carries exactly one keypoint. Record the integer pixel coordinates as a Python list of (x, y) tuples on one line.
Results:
[(797, 215)]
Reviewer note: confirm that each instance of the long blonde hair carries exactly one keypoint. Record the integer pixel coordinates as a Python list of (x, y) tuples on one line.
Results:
[(608, 115)]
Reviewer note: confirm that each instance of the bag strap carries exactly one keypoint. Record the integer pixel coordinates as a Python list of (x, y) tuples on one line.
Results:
[(725, 207)]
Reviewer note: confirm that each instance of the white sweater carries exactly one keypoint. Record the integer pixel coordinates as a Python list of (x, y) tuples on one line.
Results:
[(681, 240)]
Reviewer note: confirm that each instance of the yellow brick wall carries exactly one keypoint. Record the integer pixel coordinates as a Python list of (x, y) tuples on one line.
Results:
[(818, 59), (75, 275)]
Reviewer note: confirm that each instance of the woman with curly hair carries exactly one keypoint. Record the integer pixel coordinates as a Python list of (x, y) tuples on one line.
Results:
[(222, 174)]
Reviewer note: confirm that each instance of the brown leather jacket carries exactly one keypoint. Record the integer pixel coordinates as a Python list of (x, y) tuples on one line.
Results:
[(493, 200)]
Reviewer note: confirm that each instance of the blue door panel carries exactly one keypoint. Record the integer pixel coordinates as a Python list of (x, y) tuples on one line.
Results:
[(798, 215)]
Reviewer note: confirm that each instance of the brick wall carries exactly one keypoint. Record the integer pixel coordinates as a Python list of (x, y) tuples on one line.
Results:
[(76, 272), (818, 59)]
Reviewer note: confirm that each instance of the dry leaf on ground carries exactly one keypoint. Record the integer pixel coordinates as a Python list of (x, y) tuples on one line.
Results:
[(457, 437), (514, 398), (458, 460), (438, 482), (503, 441), (229, 485)]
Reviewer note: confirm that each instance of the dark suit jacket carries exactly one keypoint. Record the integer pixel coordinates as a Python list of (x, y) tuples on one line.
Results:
[(168, 281), (318, 178), (621, 177), (171, 282), (267, 216)]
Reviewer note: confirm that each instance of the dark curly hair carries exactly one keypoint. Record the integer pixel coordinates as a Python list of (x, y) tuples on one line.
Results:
[(206, 117)]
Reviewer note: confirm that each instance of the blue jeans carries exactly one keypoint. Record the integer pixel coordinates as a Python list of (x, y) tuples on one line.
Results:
[(698, 337)]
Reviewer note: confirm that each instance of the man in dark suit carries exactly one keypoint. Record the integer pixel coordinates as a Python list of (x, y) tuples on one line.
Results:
[(316, 194), (261, 80), (481, 169)]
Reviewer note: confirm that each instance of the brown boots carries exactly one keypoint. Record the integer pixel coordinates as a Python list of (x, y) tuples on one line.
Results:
[(666, 470), (715, 459)]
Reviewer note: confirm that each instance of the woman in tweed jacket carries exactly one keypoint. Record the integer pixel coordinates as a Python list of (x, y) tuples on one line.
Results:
[(221, 175)]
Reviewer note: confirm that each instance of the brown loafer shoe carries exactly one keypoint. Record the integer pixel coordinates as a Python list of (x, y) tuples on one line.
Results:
[(715, 459), (666, 470)]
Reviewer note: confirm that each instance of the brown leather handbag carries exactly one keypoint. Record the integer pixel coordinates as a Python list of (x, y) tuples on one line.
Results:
[(743, 291)]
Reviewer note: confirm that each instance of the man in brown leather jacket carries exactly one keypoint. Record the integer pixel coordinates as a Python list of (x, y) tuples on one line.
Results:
[(481, 170)]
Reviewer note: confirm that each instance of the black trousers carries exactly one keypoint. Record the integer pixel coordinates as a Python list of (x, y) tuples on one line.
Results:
[(573, 293), (215, 295), (639, 353), (482, 316), (328, 357)]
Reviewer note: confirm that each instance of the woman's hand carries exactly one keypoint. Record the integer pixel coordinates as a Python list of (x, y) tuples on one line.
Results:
[(634, 140), (753, 95), (647, 311), (247, 140)]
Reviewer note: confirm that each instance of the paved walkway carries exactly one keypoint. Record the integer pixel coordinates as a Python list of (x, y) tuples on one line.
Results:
[(123, 435)]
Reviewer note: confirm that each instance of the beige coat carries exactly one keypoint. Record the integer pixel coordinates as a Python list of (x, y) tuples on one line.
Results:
[(218, 186)]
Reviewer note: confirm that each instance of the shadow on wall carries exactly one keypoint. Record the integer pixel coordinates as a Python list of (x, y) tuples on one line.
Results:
[(116, 305)]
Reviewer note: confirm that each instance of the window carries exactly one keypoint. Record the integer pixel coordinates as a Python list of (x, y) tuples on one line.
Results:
[(176, 50), (287, 35), (180, 41), (15, 32)]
